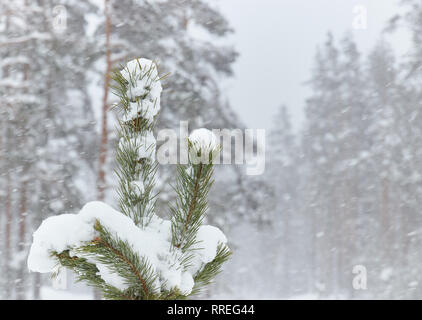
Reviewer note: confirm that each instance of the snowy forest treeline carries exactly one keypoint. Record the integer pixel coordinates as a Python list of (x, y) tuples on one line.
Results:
[(344, 191)]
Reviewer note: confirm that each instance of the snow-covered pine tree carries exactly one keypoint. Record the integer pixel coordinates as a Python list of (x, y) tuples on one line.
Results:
[(335, 148), (409, 134), (283, 175), (134, 254), (197, 65)]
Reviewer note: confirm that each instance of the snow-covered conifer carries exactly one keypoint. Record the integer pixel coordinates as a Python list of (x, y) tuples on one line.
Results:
[(132, 253)]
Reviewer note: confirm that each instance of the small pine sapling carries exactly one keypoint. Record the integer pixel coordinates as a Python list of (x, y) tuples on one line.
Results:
[(131, 253)]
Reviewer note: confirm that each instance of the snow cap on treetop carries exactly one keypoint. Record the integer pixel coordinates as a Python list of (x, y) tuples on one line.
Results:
[(144, 89), (139, 68), (203, 146)]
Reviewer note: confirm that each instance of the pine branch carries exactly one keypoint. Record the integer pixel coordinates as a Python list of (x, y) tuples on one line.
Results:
[(99, 241), (211, 270), (119, 256), (88, 272), (194, 198), (191, 204), (131, 133)]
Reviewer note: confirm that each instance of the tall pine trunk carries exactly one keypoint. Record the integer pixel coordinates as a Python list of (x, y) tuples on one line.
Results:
[(8, 225), (104, 132), (20, 288)]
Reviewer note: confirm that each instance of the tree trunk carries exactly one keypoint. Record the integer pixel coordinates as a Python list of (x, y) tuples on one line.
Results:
[(8, 223), (286, 256), (20, 294), (104, 132), (8, 198)]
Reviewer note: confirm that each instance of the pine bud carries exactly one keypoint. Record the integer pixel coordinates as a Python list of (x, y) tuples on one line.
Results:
[(203, 146)]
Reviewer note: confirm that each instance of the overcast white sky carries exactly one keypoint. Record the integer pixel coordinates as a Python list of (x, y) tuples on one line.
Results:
[(276, 40)]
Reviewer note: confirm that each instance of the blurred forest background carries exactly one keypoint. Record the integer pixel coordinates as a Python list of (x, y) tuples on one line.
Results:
[(345, 190)]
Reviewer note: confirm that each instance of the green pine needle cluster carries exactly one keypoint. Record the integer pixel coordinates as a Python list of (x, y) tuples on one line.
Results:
[(193, 183)]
